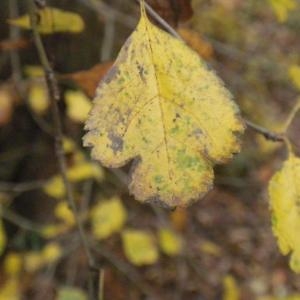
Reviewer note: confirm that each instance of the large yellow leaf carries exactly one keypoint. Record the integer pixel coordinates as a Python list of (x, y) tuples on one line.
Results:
[(162, 107), (52, 20), (284, 191)]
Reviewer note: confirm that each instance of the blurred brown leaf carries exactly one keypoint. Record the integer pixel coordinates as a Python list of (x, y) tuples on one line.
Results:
[(8, 98), (89, 79), (8, 45), (173, 11), (196, 42)]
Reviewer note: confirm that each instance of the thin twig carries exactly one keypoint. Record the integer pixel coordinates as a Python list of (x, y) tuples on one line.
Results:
[(21, 187), (14, 33), (19, 220), (54, 96), (269, 135), (291, 116)]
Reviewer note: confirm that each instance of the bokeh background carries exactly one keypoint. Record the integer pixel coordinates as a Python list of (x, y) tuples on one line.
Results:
[(222, 247)]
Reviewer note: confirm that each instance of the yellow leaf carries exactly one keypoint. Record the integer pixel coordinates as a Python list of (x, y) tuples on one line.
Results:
[(282, 8), (53, 230), (63, 212), (52, 20), (139, 247), (162, 107), (13, 264), (83, 170), (3, 239), (55, 187), (33, 71), (231, 290), (169, 241), (51, 253), (284, 192), (290, 297), (38, 98), (294, 74), (78, 105), (108, 217), (210, 248), (33, 261), (71, 293), (10, 290)]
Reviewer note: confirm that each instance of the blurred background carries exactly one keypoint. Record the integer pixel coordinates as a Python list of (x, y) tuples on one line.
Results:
[(222, 247)]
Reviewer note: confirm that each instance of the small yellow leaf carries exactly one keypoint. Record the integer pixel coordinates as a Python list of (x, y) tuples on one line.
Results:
[(51, 253), (52, 20), (13, 264), (289, 297), (231, 290), (63, 212), (284, 192), (55, 187), (78, 106), (33, 71), (282, 8), (33, 261), (83, 170), (3, 239), (160, 106), (294, 74), (210, 248), (10, 290), (139, 247), (38, 98), (108, 217), (169, 241), (71, 293), (54, 230)]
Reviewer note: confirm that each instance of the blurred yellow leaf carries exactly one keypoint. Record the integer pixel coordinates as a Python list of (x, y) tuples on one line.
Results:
[(55, 187), (13, 264), (108, 217), (294, 74), (284, 192), (169, 241), (160, 103), (290, 297), (63, 212), (10, 290), (71, 293), (51, 253), (139, 247), (78, 106), (210, 248), (3, 239), (83, 170), (38, 98), (52, 20), (34, 71), (33, 261), (282, 8), (53, 230), (231, 290)]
